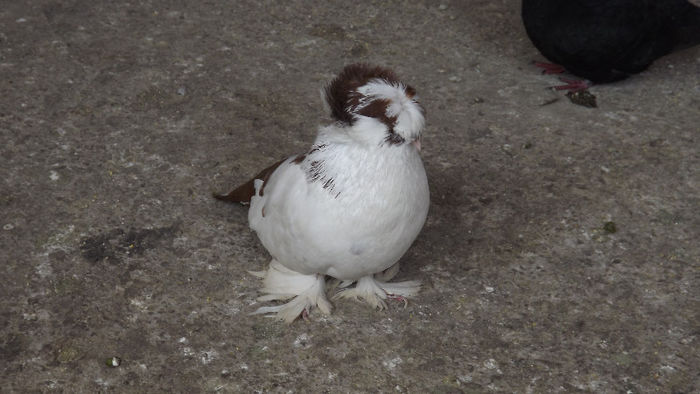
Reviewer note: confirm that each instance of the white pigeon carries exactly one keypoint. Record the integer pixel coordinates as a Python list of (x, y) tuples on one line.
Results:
[(351, 206)]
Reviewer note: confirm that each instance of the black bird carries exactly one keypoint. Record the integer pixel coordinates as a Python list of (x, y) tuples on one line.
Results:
[(608, 40)]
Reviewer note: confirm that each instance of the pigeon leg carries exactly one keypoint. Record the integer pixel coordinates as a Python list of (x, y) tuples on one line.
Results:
[(573, 85), (550, 68)]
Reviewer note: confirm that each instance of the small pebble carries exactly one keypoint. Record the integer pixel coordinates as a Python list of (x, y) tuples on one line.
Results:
[(610, 227), (583, 98), (113, 362)]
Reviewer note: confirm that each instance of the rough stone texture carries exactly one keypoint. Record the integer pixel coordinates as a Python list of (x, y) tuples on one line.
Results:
[(119, 119)]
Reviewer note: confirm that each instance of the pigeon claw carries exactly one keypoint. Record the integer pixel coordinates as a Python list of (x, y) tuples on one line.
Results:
[(550, 68), (398, 298), (573, 85)]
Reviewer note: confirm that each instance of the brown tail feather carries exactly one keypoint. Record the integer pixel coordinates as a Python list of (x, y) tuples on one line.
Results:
[(243, 193)]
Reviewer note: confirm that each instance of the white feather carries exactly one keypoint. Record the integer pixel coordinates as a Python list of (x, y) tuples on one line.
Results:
[(410, 120), (306, 291), (378, 204), (349, 210)]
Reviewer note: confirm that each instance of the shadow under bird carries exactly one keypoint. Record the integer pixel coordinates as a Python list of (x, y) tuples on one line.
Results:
[(608, 40), (350, 206)]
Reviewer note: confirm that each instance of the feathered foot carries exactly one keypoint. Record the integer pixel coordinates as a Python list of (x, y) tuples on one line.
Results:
[(388, 274), (374, 292), (281, 283)]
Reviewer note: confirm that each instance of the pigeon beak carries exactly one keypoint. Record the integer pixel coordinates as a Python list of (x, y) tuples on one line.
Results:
[(416, 143)]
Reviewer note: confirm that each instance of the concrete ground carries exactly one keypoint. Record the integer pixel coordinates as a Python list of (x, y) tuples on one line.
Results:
[(560, 254)]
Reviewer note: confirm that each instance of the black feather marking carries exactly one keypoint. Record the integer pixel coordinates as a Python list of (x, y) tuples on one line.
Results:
[(394, 139)]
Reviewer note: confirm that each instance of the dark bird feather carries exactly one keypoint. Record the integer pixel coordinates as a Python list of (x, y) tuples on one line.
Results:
[(608, 40), (243, 193)]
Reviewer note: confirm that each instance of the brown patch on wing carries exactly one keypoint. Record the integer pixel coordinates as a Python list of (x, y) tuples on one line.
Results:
[(243, 193), (317, 148)]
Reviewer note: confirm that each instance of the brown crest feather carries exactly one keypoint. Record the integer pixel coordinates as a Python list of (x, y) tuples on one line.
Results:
[(341, 92)]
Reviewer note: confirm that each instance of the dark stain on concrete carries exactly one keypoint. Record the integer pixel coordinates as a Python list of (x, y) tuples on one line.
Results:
[(115, 245), (12, 346)]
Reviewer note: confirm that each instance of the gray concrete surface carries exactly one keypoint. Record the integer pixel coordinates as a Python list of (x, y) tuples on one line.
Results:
[(119, 119)]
